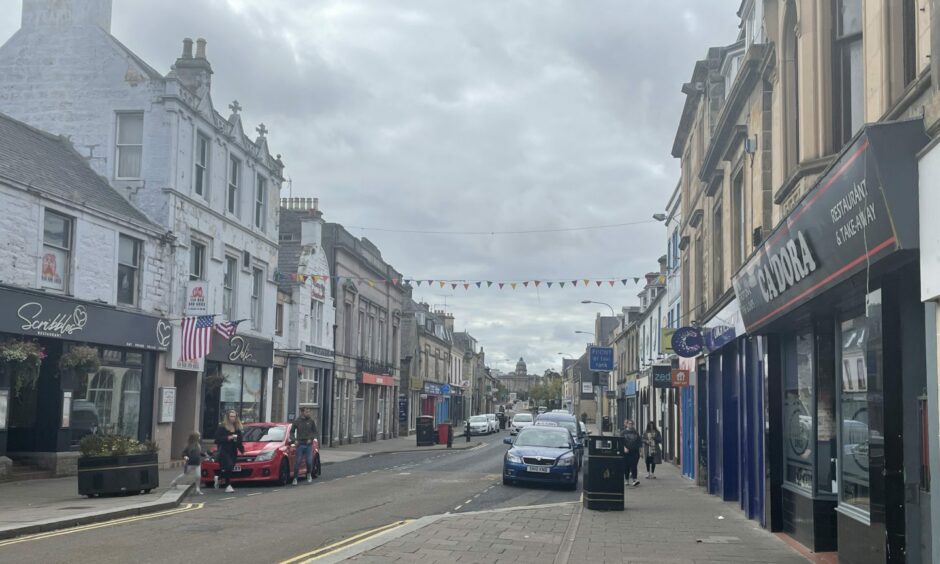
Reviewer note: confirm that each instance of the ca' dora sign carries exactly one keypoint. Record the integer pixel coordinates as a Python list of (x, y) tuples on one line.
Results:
[(847, 221)]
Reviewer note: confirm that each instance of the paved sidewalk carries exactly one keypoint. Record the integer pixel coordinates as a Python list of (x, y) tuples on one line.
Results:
[(667, 520), (43, 505), (332, 455)]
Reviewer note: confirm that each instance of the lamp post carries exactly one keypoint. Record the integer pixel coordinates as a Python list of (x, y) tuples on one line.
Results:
[(612, 313)]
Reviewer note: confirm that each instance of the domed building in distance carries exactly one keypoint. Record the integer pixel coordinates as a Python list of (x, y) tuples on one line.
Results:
[(519, 381)]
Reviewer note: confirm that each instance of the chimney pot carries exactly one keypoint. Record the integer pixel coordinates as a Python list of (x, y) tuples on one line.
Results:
[(316, 203), (187, 48), (200, 48)]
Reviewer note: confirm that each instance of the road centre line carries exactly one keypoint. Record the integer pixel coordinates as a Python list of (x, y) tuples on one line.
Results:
[(345, 543), (82, 528)]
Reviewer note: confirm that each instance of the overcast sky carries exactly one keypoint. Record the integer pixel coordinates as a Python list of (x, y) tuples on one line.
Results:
[(482, 115)]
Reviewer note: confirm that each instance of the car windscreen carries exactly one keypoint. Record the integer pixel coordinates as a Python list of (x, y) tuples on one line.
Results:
[(522, 418), (569, 424), (542, 437), (478, 419), (264, 434)]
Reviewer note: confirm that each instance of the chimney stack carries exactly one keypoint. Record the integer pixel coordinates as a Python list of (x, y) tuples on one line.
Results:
[(201, 48), (194, 72), (187, 49)]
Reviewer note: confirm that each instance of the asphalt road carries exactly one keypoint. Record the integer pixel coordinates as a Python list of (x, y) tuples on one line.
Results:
[(273, 524)]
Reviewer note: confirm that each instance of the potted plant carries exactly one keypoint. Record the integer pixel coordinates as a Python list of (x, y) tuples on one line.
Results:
[(116, 464), (81, 359), (21, 360)]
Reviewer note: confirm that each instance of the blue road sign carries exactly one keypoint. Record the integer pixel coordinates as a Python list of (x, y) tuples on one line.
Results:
[(601, 358)]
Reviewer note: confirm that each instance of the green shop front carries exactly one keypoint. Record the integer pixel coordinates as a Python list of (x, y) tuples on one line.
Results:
[(69, 368), (834, 289), (236, 376)]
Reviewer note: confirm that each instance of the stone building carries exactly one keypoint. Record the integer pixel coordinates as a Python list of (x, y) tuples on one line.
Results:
[(304, 320), (430, 348), (160, 141), (798, 143), (80, 266), (519, 381), (369, 298)]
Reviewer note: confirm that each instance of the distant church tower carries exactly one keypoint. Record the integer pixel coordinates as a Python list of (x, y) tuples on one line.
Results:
[(521, 370)]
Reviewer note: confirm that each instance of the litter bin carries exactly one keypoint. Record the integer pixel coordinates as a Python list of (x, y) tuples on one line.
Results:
[(443, 430), (603, 473), (424, 430), (502, 420), (605, 424)]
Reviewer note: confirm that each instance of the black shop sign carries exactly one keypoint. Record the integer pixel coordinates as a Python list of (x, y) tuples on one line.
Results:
[(37, 314), (241, 349), (861, 210)]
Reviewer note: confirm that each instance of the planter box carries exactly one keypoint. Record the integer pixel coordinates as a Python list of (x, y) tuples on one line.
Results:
[(104, 475)]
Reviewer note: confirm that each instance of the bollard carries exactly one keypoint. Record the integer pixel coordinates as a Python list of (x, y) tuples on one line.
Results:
[(467, 430), (450, 436)]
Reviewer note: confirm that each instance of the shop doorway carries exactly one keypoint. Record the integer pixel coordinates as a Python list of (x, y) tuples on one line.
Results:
[(186, 408)]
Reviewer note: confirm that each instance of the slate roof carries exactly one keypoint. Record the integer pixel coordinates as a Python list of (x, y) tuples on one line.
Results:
[(50, 164)]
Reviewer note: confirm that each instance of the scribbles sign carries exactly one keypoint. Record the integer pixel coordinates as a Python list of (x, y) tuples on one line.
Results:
[(860, 211)]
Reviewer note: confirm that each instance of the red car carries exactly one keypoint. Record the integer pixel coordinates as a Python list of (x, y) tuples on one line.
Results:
[(269, 456)]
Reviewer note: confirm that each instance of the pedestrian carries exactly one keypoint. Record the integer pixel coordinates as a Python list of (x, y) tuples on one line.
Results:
[(229, 439), (632, 443), (303, 431), (192, 460), (653, 441)]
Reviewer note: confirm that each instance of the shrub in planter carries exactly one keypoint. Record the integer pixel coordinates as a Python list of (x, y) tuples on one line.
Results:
[(116, 464)]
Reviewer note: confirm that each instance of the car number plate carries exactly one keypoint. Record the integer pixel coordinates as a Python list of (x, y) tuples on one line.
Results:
[(236, 468), (539, 469)]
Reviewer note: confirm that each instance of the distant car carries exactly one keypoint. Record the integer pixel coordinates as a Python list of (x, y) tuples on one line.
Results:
[(269, 456), (542, 410), (568, 422), (479, 425), (519, 422), (494, 422), (542, 454)]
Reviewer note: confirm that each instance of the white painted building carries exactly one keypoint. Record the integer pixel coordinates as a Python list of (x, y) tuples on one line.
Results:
[(159, 140)]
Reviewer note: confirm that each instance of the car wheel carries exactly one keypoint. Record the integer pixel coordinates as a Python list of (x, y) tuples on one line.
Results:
[(317, 470), (507, 481), (283, 475)]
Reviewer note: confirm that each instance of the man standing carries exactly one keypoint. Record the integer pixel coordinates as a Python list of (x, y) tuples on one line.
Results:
[(302, 432), (632, 443)]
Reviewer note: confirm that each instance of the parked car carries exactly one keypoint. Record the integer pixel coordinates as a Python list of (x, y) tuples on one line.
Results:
[(269, 456), (519, 422), (494, 422), (479, 425), (568, 422), (542, 454), (542, 409)]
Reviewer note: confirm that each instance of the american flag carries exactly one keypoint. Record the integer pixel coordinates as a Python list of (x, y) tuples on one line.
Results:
[(227, 329), (197, 337)]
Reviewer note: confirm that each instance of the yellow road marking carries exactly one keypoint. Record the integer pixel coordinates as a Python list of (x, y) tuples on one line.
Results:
[(345, 543), (82, 528)]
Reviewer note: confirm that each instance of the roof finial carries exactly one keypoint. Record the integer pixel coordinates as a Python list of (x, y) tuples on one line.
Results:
[(262, 130), (235, 107)]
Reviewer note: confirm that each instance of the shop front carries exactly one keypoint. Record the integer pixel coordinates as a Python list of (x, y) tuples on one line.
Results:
[(380, 392), (835, 292), (90, 368), (236, 377), (309, 375), (435, 401), (627, 403)]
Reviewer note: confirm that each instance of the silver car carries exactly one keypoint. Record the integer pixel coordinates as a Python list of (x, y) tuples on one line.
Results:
[(519, 422), (479, 425), (494, 422)]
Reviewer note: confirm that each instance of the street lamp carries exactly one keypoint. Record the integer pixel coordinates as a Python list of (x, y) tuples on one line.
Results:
[(612, 314), (659, 216), (585, 333)]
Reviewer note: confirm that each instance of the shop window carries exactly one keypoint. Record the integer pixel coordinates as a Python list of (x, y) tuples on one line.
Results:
[(240, 388), (108, 401), (308, 392), (128, 270), (798, 410), (56, 251), (130, 144)]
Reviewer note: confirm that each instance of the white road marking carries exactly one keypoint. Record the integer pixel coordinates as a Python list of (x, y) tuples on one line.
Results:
[(256, 493), (468, 501), (227, 498), (458, 508), (404, 473)]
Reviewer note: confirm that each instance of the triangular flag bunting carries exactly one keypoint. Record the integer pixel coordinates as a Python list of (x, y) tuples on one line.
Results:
[(453, 286), (537, 282), (587, 282), (466, 285), (624, 281), (442, 283), (479, 284), (636, 279), (430, 282), (562, 284), (549, 284), (489, 284), (513, 285), (372, 283), (501, 284), (526, 283), (599, 282), (419, 283), (612, 282), (574, 283), (395, 281)]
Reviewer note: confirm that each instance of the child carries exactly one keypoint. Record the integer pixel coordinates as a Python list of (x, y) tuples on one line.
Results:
[(192, 460)]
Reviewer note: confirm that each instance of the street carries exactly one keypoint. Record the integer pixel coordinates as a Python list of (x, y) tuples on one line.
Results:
[(274, 524)]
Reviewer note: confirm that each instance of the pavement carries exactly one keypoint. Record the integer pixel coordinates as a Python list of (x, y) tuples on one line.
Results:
[(35, 506), (667, 520)]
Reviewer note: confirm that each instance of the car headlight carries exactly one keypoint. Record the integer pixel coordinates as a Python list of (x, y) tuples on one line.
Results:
[(513, 458), (265, 456), (567, 460)]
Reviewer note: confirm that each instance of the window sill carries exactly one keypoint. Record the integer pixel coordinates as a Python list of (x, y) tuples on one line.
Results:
[(806, 493), (854, 513)]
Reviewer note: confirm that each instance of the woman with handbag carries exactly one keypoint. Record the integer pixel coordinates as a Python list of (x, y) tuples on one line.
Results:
[(652, 440), (229, 439)]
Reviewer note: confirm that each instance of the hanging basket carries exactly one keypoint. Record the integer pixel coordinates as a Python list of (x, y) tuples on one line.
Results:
[(22, 360), (83, 360)]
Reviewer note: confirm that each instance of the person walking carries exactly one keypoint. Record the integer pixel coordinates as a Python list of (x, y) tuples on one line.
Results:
[(192, 460), (303, 431), (632, 444), (653, 440), (229, 439)]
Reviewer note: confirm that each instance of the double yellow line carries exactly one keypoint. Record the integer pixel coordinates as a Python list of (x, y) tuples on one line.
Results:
[(345, 543), (80, 529)]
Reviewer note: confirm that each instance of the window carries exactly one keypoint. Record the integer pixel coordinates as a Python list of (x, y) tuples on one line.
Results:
[(261, 190), (849, 81), (362, 334), (197, 261), (128, 270), (257, 288), (738, 221), (791, 88), (395, 346), (700, 279), (228, 287), (798, 409), (718, 274), (316, 322), (909, 37), (201, 179), (308, 392), (57, 251), (130, 144), (234, 180), (348, 341), (279, 319), (383, 342)]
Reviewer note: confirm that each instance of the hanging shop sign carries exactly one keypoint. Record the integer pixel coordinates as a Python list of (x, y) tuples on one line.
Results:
[(432, 388), (662, 376), (601, 358), (687, 342), (666, 339), (377, 379), (680, 378), (241, 349), (41, 315), (197, 298), (724, 327), (629, 389), (861, 210)]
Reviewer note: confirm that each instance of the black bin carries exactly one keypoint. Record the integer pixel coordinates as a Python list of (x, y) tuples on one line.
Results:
[(424, 430), (605, 424), (603, 473)]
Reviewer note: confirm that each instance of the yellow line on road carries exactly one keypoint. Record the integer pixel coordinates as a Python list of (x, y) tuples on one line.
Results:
[(345, 543), (82, 528)]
